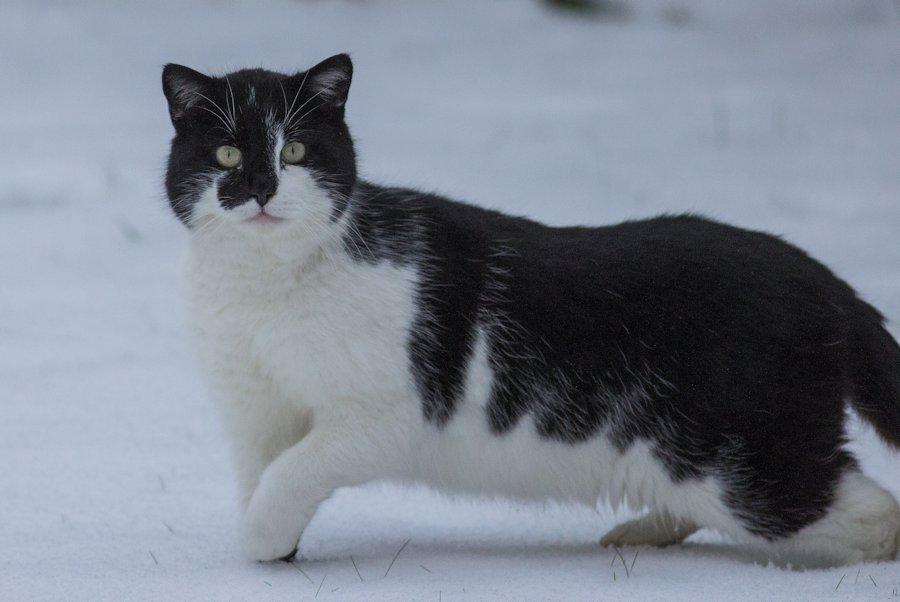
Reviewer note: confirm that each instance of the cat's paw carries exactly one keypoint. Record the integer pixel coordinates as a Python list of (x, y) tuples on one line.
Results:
[(265, 538), (659, 530)]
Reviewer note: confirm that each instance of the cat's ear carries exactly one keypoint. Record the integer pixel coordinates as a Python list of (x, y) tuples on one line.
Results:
[(184, 88), (330, 80)]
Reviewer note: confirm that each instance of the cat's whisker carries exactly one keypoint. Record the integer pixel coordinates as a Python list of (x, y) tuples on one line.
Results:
[(288, 112), (296, 131), (222, 112), (290, 119), (284, 96), (223, 128), (353, 235), (210, 225), (222, 224), (201, 225), (304, 116), (220, 115), (330, 234), (232, 104), (228, 97), (227, 125)]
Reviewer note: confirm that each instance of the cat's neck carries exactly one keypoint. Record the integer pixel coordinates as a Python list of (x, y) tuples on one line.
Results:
[(283, 250)]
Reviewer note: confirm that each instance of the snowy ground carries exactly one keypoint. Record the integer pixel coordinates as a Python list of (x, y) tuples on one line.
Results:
[(114, 481)]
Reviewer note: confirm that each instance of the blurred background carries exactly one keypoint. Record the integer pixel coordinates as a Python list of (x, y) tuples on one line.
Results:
[(782, 115)]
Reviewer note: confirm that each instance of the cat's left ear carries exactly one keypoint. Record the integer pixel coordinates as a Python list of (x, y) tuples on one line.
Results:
[(330, 80)]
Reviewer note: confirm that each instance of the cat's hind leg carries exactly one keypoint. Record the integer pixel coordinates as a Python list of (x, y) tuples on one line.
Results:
[(657, 528), (861, 525)]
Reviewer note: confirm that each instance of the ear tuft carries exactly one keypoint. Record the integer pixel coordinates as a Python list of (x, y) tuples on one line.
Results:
[(330, 79), (184, 88)]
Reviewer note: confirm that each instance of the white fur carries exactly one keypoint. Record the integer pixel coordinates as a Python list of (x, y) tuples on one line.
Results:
[(305, 350), (325, 84), (863, 524)]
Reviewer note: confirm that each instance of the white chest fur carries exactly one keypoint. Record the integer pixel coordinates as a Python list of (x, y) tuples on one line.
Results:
[(324, 332)]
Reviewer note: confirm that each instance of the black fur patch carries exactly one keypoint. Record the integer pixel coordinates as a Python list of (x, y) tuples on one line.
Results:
[(716, 345)]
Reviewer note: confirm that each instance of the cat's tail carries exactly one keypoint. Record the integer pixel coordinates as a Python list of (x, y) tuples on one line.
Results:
[(875, 377)]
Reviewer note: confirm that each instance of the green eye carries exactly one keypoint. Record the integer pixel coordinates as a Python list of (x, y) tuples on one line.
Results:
[(293, 152), (228, 156)]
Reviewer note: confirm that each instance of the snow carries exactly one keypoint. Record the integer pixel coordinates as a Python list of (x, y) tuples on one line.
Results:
[(114, 478)]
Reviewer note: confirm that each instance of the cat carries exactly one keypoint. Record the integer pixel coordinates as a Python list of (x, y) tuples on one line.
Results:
[(352, 332)]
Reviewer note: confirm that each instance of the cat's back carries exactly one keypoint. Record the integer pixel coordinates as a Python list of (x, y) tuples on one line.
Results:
[(646, 246), (686, 259)]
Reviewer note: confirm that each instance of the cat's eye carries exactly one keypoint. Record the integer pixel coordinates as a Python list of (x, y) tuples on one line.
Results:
[(293, 152), (228, 156)]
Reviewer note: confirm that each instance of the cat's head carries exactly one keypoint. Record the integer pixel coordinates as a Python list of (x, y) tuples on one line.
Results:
[(257, 150)]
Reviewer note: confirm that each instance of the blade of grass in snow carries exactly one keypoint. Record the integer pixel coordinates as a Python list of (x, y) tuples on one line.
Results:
[(403, 547), (302, 572), (320, 587), (357, 569)]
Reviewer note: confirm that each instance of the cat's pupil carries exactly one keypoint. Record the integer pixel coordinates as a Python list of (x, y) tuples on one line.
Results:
[(293, 152)]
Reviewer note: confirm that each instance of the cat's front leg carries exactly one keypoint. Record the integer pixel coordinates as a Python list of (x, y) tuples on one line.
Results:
[(296, 482), (257, 439), (259, 422)]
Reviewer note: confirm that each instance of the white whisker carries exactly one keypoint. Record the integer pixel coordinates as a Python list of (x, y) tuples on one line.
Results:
[(221, 115), (296, 95), (289, 120), (231, 105)]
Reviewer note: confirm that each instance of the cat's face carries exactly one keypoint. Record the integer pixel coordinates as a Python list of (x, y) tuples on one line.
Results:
[(259, 151)]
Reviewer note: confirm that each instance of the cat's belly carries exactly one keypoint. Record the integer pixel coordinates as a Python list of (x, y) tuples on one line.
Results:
[(466, 456)]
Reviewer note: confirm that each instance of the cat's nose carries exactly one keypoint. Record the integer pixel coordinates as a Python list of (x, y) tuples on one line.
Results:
[(261, 198), (261, 191)]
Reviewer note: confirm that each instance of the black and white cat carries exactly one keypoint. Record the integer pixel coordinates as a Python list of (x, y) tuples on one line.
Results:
[(352, 332)]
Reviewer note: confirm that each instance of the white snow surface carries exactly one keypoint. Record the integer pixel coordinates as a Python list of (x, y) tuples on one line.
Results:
[(115, 482)]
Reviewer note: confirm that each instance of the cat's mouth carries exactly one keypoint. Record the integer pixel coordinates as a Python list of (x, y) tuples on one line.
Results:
[(263, 218)]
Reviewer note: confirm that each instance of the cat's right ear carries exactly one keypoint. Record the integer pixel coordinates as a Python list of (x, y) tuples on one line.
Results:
[(330, 80), (184, 88)]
